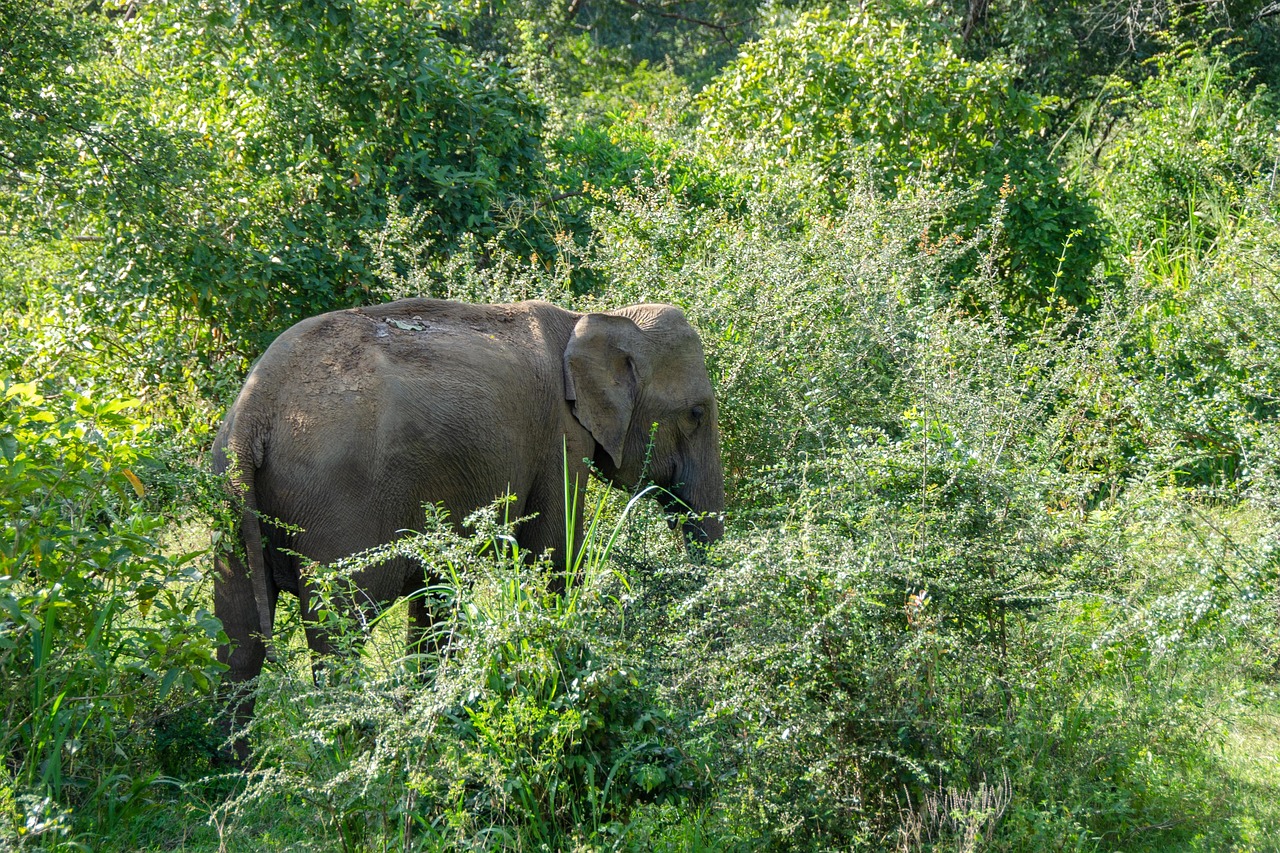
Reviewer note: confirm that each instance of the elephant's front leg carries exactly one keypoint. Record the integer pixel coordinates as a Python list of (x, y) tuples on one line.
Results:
[(428, 631), (558, 505)]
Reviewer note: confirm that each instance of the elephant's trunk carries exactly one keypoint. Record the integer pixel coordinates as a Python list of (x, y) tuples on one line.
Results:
[(702, 531), (699, 534), (702, 502)]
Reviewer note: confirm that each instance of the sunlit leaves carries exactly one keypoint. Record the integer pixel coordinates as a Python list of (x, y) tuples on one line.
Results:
[(874, 93), (95, 620)]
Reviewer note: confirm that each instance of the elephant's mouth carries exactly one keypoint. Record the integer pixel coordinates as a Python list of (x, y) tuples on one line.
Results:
[(699, 528)]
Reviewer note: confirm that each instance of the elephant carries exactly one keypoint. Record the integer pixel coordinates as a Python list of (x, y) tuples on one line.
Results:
[(353, 421)]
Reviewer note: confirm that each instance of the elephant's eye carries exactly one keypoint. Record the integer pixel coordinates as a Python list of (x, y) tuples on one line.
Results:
[(698, 413)]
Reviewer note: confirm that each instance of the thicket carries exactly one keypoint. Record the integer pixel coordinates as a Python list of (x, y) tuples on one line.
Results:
[(989, 294)]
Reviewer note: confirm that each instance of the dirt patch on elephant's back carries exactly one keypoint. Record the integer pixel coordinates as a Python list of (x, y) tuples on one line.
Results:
[(338, 355)]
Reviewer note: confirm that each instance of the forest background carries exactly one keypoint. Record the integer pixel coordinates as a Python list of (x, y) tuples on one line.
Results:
[(990, 293)]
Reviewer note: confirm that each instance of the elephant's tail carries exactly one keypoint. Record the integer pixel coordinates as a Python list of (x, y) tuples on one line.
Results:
[(242, 454), (251, 532)]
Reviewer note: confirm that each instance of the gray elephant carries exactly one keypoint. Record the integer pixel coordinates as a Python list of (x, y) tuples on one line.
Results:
[(354, 419)]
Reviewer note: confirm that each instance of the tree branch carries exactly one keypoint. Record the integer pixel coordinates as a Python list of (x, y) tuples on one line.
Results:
[(78, 238), (722, 29), (1267, 12)]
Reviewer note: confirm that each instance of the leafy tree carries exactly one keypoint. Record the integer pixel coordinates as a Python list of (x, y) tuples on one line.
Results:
[(312, 116), (228, 157), (49, 112), (876, 91), (1064, 46)]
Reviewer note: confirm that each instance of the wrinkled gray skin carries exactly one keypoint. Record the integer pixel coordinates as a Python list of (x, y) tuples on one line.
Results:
[(352, 420)]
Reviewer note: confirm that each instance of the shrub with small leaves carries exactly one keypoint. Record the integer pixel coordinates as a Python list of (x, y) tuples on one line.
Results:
[(525, 719)]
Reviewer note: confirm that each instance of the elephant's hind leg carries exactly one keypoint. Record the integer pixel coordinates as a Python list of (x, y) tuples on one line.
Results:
[(244, 654), (337, 625)]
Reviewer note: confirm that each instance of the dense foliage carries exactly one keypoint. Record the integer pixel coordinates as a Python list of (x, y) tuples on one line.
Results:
[(990, 294), (881, 94)]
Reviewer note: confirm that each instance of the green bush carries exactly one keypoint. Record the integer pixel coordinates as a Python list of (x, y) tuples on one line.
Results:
[(526, 722), (894, 96), (804, 329), (920, 602), (98, 627), (929, 624)]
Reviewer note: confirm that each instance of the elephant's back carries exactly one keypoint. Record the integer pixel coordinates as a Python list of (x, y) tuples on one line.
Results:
[(345, 350), (406, 401)]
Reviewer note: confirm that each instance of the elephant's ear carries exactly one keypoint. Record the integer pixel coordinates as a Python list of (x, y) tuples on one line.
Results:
[(601, 378)]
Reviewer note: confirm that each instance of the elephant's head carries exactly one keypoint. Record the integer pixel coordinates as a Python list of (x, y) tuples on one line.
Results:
[(638, 382)]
